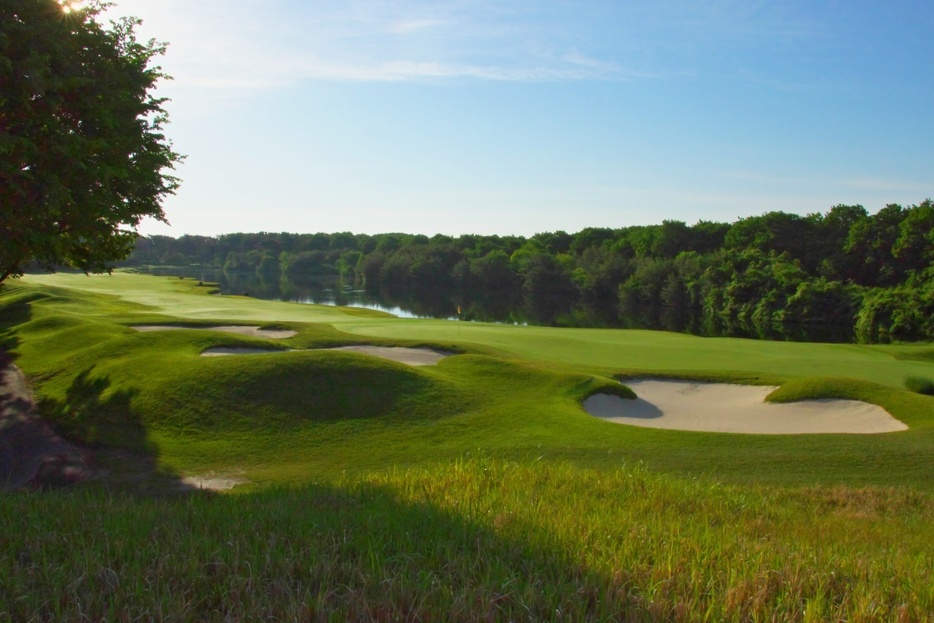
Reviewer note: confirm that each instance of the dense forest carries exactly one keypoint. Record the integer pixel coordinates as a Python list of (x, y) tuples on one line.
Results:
[(845, 275)]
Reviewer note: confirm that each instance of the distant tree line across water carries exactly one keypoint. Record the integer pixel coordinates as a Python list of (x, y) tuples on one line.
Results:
[(845, 275)]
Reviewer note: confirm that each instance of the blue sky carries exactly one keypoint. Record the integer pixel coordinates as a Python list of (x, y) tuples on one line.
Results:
[(515, 116)]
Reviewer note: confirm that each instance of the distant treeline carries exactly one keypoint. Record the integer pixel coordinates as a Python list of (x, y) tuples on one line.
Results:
[(841, 276)]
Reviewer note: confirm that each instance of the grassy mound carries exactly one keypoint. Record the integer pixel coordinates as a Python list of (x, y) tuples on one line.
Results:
[(910, 408), (282, 391), (917, 354), (920, 385)]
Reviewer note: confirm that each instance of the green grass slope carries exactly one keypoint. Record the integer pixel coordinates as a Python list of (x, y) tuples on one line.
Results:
[(309, 414), (607, 350), (476, 489)]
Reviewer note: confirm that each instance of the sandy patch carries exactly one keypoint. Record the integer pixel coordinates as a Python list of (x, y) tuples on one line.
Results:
[(726, 408), (221, 351), (409, 356), (212, 483), (275, 334)]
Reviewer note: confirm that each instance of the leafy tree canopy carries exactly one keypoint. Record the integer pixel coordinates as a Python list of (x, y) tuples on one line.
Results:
[(83, 157)]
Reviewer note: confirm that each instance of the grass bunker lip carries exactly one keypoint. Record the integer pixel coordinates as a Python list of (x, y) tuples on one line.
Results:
[(729, 408)]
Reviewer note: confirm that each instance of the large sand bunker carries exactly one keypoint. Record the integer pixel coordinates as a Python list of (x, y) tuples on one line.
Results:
[(275, 334), (725, 408)]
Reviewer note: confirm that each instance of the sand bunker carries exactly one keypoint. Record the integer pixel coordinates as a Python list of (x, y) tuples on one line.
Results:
[(211, 483), (409, 356), (275, 334), (725, 408), (221, 351)]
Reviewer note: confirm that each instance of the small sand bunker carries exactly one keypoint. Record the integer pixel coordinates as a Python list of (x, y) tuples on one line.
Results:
[(726, 408), (211, 483), (275, 334), (409, 356), (221, 351)]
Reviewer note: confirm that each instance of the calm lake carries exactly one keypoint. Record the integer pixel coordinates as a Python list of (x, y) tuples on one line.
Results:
[(310, 291)]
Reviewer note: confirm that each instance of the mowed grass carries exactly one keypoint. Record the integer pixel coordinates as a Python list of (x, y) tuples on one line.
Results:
[(607, 349), (514, 392), (477, 489)]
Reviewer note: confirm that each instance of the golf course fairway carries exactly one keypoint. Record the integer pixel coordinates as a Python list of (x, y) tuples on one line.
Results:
[(474, 486)]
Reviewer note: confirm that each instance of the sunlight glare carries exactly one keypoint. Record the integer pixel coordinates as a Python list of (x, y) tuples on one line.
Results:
[(72, 6)]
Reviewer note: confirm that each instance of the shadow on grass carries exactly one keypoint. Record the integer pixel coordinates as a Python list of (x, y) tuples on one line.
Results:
[(91, 436), (101, 420), (380, 557), (14, 311), (313, 553), (93, 416)]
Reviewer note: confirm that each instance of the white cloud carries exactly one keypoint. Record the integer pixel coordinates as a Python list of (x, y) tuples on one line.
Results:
[(244, 45), (849, 184), (254, 44), (876, 183), (407, 26)]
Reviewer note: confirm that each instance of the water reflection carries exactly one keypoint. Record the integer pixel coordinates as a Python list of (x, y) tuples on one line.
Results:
[(500, 307), (309, 290)]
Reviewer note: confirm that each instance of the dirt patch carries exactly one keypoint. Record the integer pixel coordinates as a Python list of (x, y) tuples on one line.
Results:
[(31, 454), (275, 334), (722, 407)]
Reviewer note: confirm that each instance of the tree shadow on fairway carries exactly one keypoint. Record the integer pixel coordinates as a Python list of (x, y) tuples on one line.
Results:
[(12, 315), (357, 552), (102, 424), (93, 416)]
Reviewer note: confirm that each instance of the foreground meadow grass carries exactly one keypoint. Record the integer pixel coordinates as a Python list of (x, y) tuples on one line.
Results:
[(477, 489), (477, 539)]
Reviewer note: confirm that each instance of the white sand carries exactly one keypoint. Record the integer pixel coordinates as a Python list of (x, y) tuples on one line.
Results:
[(409, 356), (726, 408), (211, 483), (275, 334), (221, 351)]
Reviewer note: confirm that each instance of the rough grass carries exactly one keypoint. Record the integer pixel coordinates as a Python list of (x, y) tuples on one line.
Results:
[(476, 539)]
